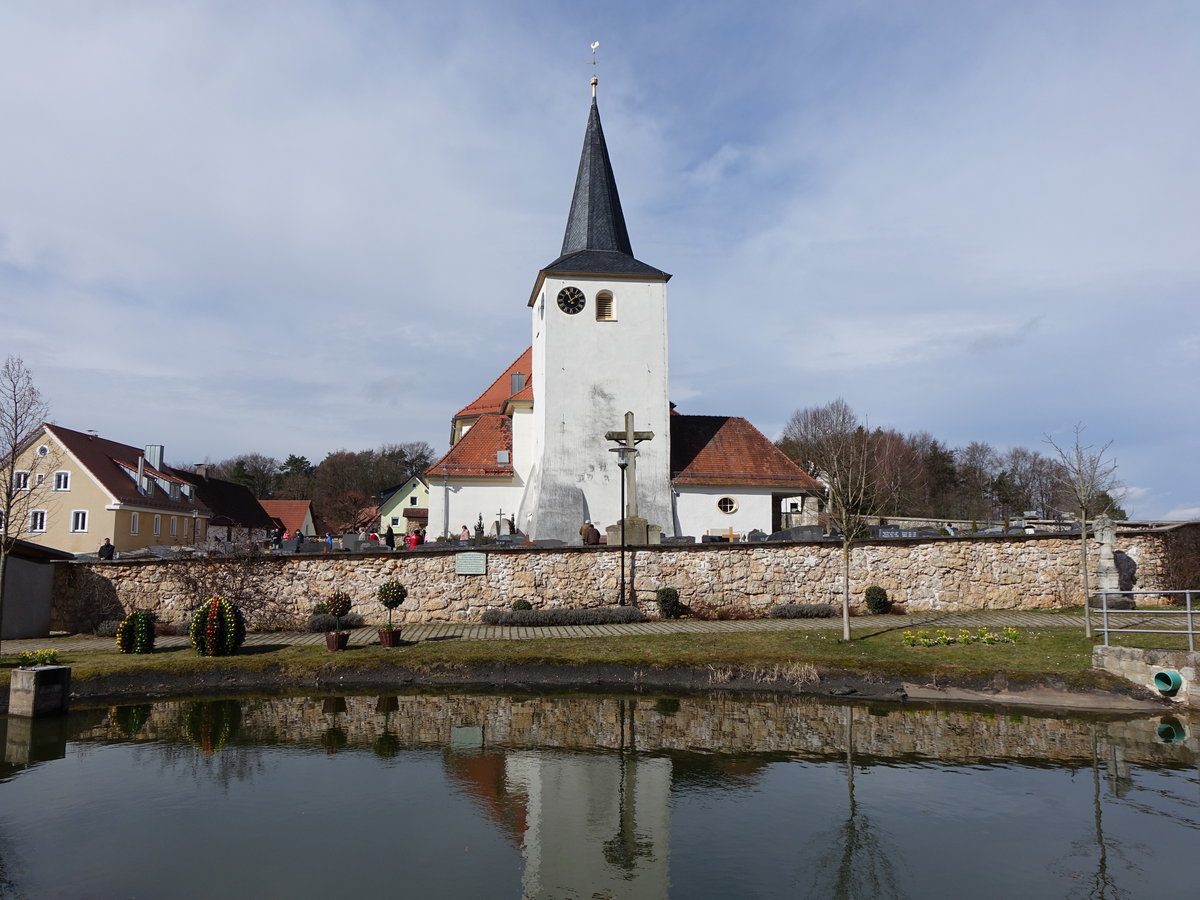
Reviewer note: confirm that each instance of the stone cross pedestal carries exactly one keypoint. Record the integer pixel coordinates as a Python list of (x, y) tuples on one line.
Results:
[(637, 529), (1107, 576)]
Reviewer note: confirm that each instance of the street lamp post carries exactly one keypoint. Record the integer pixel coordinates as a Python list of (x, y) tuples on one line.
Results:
[(622, 463)]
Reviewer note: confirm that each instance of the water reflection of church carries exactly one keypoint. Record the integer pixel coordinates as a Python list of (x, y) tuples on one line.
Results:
[(600, 822)]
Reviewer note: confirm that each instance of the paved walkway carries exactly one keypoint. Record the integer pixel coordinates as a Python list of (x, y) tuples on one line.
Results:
[(435, 631)]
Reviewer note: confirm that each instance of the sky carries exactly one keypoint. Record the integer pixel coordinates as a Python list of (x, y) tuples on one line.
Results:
[(304, 226)]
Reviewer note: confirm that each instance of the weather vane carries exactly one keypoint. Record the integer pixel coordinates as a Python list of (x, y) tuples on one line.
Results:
[(595, 44)]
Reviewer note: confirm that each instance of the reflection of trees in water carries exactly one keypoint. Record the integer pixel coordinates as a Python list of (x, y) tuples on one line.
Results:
[(209, 726), (129, 719), (231, 765), (387, 745), (858, 863)]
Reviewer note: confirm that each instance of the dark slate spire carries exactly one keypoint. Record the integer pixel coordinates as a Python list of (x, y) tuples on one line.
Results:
[(596, 241), (595, 221)]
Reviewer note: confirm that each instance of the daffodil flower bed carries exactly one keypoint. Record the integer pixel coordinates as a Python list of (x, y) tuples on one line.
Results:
[(942, 638)]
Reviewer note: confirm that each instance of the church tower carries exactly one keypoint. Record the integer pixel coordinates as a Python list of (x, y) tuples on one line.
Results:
[(599, 351)]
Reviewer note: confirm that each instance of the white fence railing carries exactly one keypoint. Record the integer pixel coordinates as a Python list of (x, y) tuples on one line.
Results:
[(1185, 619)]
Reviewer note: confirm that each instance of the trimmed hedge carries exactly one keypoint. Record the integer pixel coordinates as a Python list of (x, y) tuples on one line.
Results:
[(326, 622), (801, 611), (610, 615)]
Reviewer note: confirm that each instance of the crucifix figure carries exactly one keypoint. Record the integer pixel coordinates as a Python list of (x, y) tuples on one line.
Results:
[(628, 440)]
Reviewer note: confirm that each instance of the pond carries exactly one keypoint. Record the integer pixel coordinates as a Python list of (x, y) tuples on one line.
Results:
[(497, 796)]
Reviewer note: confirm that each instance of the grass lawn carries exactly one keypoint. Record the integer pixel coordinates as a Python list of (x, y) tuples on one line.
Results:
[(1057, 651)]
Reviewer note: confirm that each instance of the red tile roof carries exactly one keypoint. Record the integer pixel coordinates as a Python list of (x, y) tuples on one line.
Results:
[(475, 453), (728, 450), (500, 390), (290, 512), (115, 467)]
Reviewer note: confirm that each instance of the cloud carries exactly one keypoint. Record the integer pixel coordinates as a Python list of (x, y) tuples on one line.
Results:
[(294, 227)]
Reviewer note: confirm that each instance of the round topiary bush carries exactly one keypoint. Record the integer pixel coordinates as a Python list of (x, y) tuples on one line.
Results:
[(135, 634), (877, 601), (669, 606), (521, 603), (218, 628), (391, 594)]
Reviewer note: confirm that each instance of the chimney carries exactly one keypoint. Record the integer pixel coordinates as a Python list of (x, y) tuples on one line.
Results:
[(141, 479)]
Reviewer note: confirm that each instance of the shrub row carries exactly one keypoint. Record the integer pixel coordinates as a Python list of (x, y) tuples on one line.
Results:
[(611, 615), (801, 611), (326, 622)]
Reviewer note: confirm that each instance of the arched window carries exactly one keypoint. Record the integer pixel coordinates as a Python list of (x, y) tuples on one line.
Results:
[(604, 307)]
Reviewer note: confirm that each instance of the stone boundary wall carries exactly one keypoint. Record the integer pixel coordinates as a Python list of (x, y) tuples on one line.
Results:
[(1016, 572)]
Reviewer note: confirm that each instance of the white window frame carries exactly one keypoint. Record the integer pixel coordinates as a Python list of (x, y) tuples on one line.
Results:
[(35, 516), (21, 480), (157, 525), (41, 479), (174, 526), (185, 527), (133, 523), (733, 505), (79, 521), (395, 521), (62, 480)]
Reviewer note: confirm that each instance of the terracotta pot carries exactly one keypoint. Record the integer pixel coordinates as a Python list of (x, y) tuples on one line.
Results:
[(389, 637), (336, 640)]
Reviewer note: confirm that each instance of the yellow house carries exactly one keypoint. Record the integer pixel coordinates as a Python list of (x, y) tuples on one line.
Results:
[(405, 507), (84, 489)]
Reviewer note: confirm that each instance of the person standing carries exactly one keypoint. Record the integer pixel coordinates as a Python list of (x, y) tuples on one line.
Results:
[(107, 550), (465, 534), (299, 539), (389, 538), (592, 537)]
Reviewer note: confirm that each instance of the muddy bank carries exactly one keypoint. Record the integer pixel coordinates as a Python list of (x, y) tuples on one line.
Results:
[(1100, 693)]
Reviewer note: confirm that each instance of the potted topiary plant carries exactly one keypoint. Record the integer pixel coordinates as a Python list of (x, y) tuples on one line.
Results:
[(391, 594), (338, 605)]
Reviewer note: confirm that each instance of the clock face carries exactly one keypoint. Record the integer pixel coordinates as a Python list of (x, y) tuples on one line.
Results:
[(570, 300)]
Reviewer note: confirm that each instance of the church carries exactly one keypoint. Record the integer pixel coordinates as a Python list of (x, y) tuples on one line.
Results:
[(539, 447)]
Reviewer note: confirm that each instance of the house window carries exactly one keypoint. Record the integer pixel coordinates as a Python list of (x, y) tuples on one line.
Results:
[(21, 481), (185, 527), (604, 307), (62, 481), (43, 450), (37, 521), (412, 501), (727, 505), (41, 478), (157, 525), (199, 528), (78, 520), (395, 521), (174, 525), (133, 523)]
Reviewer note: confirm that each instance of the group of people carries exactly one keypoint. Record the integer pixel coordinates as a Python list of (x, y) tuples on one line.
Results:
[(410, 540), (589, 533)]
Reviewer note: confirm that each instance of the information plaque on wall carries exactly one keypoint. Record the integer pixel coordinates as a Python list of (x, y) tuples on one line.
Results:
[(470, 563)]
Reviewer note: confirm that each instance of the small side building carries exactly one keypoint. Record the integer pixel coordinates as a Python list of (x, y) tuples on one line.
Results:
[(29, 590)]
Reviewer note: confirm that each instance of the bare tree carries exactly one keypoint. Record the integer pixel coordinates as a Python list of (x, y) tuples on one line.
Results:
[(21, 411), (1088, 477), (838, 450)]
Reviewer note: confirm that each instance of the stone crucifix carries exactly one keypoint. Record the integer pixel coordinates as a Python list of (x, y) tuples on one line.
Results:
[(628, 440)]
